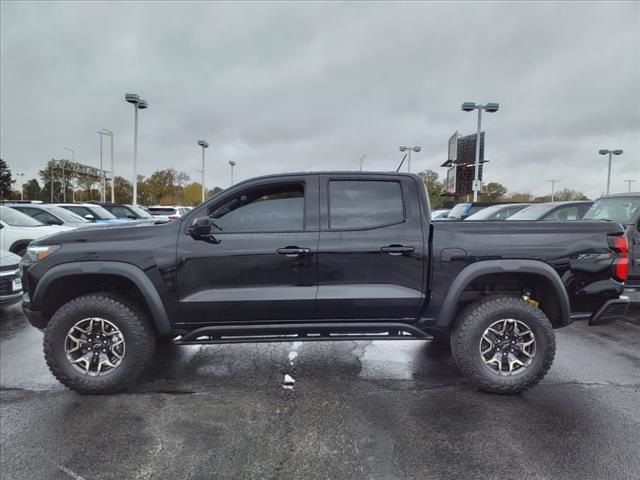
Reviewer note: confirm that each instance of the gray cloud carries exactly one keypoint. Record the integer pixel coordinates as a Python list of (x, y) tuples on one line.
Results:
[(313, 86)]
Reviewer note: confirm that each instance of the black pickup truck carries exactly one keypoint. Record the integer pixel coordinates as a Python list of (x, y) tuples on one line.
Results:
[(324, 256)]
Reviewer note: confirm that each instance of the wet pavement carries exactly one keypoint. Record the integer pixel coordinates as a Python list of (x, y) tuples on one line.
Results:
[(339, 410)]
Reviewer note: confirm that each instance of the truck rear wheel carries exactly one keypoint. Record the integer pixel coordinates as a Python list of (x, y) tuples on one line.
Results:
[(98, 343), (503, 344)]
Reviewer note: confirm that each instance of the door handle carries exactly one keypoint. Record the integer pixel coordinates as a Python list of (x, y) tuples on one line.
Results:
[(396, 250), (294, 251)]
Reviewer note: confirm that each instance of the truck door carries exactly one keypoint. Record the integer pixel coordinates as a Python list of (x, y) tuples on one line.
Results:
[(261, 262), (371, 254)]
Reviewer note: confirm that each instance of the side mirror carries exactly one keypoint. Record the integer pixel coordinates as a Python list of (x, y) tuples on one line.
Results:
[(89, 217), (53, 221), (132, 216), (200, 227)]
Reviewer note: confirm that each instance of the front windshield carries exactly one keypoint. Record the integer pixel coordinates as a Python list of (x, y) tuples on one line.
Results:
[(534, 212), (65, 215), (17, 219), (140, 212), (617, 209), (458, 211)]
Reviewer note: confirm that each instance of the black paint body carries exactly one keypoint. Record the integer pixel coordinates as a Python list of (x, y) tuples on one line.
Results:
[(401, 272)]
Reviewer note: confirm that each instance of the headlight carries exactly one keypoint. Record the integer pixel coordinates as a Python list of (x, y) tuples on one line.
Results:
[(40, 252)]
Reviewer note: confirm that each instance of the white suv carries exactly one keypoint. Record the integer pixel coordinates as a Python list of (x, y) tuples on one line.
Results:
[(18, 229)]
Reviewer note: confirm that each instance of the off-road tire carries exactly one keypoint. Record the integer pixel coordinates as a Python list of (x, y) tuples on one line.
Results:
[(131, 321), (468, 331)]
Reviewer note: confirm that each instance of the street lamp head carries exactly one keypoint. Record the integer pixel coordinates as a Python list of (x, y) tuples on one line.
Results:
[(468, 106), (232, 163), (132, 98), (142, 104), (417, 149), (107, 132), (492, 107), (617, 152), (403, 148), (203, 144), (603, 151)]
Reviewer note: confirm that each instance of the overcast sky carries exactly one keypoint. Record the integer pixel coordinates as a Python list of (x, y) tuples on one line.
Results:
[(314, 86)]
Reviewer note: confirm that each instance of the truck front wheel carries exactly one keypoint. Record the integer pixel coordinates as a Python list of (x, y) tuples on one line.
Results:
[(98, 343), (503, 344)]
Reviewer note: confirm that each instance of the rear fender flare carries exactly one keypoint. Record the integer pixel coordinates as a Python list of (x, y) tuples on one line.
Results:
[(475, 270)]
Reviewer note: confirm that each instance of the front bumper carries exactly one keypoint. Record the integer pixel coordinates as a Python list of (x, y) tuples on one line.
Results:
[(34, 317), (611, 311), (6, 300)]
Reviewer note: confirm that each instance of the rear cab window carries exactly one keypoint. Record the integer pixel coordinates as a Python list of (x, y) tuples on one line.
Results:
[(362, 204)]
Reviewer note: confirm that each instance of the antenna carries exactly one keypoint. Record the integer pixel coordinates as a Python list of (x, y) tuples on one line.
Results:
[(400, 166)]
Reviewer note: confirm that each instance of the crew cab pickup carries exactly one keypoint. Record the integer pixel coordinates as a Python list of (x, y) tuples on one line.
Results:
[(321, 256)]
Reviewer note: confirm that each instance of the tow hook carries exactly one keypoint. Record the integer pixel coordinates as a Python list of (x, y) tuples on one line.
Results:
[(526, 296)]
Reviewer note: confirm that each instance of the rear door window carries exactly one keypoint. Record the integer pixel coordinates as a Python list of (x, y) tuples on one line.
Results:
[(357, 204)]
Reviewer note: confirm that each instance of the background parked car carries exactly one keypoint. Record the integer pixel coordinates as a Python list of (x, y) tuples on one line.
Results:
[(436, 214), (498, 212), (623, 208), (554, 211), (18, 229), (463, 210), (123, 210), (10, 280), (171, 212), (51, 214), (92, 212)]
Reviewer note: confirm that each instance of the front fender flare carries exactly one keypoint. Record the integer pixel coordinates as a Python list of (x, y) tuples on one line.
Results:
[(487, 267), (127, 270)]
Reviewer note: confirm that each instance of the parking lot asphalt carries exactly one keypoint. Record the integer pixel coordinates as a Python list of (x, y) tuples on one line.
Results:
[(375, 410)]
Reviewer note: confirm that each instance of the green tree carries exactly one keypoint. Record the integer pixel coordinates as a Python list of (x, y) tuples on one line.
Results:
[(123, 190), (519, 197), (434, 188), (214, 191), (493, 192), (568, 194), (32, 190), (5, 180), (192, 193)]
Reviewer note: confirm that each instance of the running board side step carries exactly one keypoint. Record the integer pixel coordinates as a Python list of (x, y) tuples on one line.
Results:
[(296, 332)]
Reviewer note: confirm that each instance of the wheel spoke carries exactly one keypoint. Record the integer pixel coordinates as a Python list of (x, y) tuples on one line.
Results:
[(86, 339), (507, 347)]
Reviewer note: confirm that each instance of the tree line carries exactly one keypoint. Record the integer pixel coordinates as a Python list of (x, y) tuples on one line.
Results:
[(172, 187), (163, 187)]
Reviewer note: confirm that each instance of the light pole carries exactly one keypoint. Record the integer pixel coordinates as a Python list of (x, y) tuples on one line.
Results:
[(204, 145), (102, 176), (109, 133), (21, 175), (409, 150), (233, 164), (629, 182), (138, 104), (489, 108), (604, 151), (553, 189), (362, 160), (73, 160)]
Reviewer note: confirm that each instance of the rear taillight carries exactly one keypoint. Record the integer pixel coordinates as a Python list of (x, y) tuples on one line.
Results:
[(173, 217), (620, 245)]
